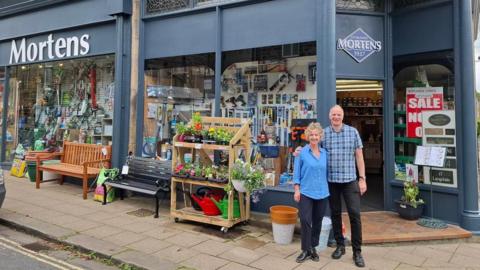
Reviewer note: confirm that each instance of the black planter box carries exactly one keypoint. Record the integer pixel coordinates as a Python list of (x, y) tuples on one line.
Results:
[(408, 212)]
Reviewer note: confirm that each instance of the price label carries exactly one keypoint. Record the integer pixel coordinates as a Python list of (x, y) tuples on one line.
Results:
[(125, 169), (198, 146), (178, 144)]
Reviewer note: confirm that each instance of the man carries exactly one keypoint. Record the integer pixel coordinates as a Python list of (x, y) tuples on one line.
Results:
[(344, 147)]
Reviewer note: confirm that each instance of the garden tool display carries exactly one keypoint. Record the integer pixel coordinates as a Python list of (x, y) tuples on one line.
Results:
[(208, 206)]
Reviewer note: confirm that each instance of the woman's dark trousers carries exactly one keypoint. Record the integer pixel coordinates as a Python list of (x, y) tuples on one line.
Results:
[(311, 215)]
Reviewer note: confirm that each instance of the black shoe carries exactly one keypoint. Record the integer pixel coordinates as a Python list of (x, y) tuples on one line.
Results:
[(314, 255), (338, 253), (358, 259), (303, 256)]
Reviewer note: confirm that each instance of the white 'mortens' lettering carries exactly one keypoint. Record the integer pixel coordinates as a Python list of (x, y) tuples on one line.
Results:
[(21, 52), (84, 44), (16, 54)]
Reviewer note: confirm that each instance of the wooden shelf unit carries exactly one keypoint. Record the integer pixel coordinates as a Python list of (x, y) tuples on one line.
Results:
[(240, 142)]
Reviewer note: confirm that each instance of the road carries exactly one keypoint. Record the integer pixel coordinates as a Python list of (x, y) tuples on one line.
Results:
[(20, 251)]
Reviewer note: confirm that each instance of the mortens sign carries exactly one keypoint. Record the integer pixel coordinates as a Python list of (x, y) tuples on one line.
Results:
[(50, 49), (359, 45)]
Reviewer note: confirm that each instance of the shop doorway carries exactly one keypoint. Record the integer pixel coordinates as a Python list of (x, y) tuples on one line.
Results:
[(362, 102)]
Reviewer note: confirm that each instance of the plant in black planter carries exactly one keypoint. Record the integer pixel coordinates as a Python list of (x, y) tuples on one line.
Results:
[(410, 206)]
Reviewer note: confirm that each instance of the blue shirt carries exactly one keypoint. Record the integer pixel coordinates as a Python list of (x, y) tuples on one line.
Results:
[(341, 147), (310, 172)]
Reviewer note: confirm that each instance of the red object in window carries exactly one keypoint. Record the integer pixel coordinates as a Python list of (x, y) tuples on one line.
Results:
[(93, 82)]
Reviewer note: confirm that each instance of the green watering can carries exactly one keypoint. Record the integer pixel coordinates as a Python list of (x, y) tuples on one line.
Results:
[(223, 206)]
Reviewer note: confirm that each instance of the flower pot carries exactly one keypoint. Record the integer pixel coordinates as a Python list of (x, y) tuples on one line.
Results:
[(284, 219), (239, 185), (409, 212)]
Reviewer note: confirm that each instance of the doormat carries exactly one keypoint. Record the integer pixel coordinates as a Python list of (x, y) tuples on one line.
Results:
[(142, 212)]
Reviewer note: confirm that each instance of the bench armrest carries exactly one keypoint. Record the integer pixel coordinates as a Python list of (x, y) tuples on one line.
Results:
[(86, 163), (49, 156)]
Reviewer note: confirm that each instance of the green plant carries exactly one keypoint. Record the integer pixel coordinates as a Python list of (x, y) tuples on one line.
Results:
[(252, 176), (410, 194), (180, 128), (478, 128)]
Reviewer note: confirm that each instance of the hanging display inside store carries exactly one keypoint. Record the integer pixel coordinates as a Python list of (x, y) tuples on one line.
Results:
[(57, 101)]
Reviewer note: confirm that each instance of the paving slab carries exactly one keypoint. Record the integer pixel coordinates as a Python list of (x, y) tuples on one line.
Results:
[(102, 246), (249, 242), (139, 227), (212, 247), (241, 255), (236, 266), (405, 258), (176, 253), (125, 237), (161, 233), (465, 261), (145, 260), (282, 251), (204, 262), (103, 231), (149, 245), (186, 239)]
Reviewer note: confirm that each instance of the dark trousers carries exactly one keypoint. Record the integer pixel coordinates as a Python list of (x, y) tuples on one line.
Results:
[(311, 215), (351, 194)]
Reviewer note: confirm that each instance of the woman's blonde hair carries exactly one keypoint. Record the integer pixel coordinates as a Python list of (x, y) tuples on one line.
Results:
[(314, 126)]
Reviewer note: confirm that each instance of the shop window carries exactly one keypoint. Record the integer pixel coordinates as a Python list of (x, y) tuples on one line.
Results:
[(361, 5), (424, 116), (56, 101), (274, 86), (175, 88)]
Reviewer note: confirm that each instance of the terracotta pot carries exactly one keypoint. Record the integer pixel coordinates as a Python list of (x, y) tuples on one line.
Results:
[(282, 214)]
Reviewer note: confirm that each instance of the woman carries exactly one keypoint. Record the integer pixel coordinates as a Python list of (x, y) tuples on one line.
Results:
[(311, 190)]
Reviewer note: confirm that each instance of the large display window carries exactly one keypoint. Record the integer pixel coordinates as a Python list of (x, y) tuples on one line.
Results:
[(175, 87), (425, 115), (57, 101), (274, 86)]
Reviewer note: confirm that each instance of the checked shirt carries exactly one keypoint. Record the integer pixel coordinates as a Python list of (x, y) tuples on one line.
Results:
[(341, 148)]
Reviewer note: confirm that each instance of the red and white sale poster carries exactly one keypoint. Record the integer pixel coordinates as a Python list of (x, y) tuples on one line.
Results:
[(421, 99)]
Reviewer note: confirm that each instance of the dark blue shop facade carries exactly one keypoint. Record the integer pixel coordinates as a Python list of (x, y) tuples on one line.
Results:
[(390, 64), (295, 59), (65, 71)]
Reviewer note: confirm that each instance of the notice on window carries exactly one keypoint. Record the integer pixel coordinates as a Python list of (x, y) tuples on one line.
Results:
[(433, 156), (421, 99)]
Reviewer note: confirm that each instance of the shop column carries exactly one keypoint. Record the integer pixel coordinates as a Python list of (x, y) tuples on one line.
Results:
[(470, 219), (325, 33)]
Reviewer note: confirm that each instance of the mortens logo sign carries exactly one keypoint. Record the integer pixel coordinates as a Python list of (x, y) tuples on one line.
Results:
[(21, 52), (359, 45)]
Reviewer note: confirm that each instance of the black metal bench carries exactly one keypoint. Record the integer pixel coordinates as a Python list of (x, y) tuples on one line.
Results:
[(147, 176)]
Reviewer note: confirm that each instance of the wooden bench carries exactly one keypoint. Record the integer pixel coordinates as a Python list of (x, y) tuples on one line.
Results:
[(77, 160), (147, 176)]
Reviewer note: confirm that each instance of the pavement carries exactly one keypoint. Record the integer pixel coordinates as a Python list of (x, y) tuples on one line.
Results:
[(123, 232)]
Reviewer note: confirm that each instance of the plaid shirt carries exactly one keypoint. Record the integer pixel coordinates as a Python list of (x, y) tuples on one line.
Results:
[(341, 148)]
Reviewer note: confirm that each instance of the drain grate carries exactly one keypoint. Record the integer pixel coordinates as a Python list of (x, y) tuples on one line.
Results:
[(37, 246), (142, 212)]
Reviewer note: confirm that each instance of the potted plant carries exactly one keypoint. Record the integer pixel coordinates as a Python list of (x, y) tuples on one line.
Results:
[(410, 206), (181, 128), (246, 177), (197, 127)]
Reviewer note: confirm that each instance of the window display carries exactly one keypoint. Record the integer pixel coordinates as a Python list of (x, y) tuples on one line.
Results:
[(424, 115), (64, 100), (175, 88), (273, 86)]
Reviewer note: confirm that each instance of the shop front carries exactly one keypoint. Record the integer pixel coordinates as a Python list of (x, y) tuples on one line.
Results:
[(65, 76), (377, 59)]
